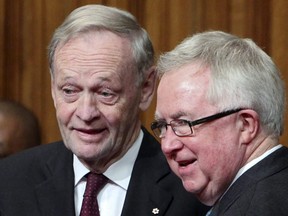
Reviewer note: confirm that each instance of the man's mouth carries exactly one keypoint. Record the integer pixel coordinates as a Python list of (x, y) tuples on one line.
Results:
[(186, 162), (90, 131), (90, 134)]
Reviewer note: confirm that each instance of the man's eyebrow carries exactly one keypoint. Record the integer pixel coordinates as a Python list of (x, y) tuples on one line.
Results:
[(177, 115)]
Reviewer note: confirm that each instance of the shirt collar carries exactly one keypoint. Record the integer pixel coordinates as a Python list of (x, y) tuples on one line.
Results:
[(245, 168), (255, 161), (119, 172), (251, 164)]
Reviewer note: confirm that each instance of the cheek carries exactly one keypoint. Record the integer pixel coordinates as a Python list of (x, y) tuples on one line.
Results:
[(64, 112), (112, 116), (220, 158), (211, 150), (127, 109)]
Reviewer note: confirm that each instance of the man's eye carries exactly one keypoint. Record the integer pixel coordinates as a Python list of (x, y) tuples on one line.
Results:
[(68, 91), (106, 94), (181, 122), (161, 124), (108, 97)]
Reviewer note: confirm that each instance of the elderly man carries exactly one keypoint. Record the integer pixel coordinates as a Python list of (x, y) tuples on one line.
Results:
[(102, 76), (219, 114)]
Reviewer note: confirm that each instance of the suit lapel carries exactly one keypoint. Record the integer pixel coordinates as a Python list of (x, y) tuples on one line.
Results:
[(56, 193), (144, 195), (232, 195)]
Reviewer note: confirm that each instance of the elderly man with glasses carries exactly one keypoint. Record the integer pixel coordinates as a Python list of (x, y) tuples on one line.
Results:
[(230, 156)]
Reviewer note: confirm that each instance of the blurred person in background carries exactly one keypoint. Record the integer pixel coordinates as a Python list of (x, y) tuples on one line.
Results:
[(19, 128)]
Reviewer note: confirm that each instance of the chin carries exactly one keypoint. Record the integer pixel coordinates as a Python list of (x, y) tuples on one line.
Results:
[(190, 186)]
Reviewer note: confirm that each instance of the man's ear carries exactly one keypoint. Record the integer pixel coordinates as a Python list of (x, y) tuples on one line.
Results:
[(249, 125), (148, 88)]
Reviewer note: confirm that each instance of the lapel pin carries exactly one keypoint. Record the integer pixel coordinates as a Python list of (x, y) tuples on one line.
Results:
[(155, 211)]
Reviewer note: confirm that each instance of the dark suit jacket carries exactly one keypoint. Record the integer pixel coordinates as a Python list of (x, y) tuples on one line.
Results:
[(261, 191), (40, 181)]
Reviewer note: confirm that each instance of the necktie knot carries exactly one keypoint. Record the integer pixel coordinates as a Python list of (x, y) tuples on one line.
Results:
[(95, 182)]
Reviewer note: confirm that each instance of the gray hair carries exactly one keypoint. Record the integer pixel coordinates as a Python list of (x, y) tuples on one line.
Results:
[(243, 75), (97, 18)]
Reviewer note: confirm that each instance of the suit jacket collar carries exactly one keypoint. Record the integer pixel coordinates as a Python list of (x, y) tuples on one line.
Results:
[(273, 163), (56, 193)]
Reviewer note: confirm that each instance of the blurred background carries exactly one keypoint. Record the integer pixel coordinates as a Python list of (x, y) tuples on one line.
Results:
[(26, 27)]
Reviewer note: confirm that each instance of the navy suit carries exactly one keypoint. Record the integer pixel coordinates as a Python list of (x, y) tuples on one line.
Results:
[(262, 190), (40, 181)]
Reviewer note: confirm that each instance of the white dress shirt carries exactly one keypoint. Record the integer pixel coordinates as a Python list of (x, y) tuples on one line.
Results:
[(111, 197)]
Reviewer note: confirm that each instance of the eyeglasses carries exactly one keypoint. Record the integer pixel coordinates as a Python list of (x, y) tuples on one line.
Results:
[(183, 127)]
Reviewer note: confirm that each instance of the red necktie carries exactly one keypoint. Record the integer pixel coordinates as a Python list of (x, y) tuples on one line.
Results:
[(95, 182)]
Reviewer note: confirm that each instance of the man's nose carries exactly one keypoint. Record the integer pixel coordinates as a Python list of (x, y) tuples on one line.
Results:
[(170, 142), (87, 108)]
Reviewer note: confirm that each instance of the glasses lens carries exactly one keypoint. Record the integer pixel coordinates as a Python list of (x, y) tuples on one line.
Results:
[(158, 128), (181, 127)]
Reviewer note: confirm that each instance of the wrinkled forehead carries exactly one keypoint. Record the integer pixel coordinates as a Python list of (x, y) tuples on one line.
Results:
[(95, 41), (95, 50)]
